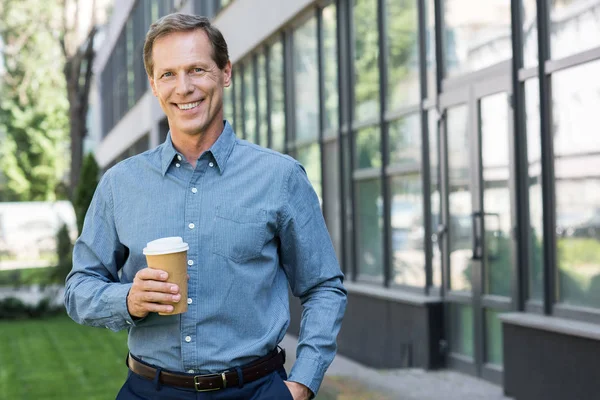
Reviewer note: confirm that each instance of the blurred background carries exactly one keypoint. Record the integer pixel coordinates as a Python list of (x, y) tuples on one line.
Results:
[(453, 144)]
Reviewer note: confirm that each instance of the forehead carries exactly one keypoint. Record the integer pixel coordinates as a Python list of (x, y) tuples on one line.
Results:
[(178, 48)]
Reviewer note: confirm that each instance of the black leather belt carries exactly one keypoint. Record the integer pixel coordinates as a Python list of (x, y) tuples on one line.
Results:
[(205, 383)]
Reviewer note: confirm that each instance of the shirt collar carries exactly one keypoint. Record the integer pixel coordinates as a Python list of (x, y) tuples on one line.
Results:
[(221, 149), (223, 146)]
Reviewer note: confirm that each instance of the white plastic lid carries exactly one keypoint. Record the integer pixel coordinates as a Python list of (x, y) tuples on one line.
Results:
[(166, 245)]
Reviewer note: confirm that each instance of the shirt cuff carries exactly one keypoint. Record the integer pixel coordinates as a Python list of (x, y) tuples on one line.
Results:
[(116, 300), (308, 372)]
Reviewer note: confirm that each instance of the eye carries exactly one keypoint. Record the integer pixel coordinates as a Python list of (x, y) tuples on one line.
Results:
[(198, 70), (167, 74)]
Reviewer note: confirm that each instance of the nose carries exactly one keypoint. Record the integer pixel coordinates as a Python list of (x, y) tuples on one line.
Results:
[(184, 85)]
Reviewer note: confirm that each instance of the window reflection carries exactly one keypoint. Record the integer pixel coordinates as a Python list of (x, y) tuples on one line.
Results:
[(405, 140), (306, 81), (277, 97), (536, 222), (369, 220), (228, 104), (407, 230), (238, 81), (263, 128), (430, 48), (368, 151), (576, 99), (330, 66), (460, 225), (435, 202), (310, 158), (478, 34), (366, 55), (574, 26), (530, 39), (249, 103), (496, 194), (403, 53)]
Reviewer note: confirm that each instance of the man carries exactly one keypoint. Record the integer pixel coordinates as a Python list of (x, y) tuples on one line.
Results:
[(253, 224)]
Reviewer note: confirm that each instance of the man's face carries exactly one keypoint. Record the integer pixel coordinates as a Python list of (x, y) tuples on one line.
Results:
[(187, 82)]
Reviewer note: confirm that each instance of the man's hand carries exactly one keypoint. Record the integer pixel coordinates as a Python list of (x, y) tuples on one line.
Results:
[(298, 390), (149, 290)]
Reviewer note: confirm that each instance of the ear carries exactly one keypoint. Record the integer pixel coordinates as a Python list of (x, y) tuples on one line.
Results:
[(227, 74), (152, 85)]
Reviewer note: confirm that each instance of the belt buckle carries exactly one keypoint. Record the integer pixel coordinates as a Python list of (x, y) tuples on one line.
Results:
[(196, 383)]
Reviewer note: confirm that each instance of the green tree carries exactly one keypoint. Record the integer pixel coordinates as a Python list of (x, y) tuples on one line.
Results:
[(33, 105), (64, 249), (86, 188)]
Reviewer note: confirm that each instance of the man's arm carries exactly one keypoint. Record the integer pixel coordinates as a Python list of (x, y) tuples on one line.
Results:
[(313, 271), (93, 293)]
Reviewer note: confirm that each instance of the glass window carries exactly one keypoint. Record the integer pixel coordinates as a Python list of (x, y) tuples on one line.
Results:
[(407, 230), (460, 226), (310, 157), (430, 48), (530, 36), (277, 97), (574, 26), (435, 202), (405, 140), (493, 330), (330, 66), (478, 34), (495, 160), (306, 81), (576, 100), (228, 104), (368, 152), (332, 195), (249, 103), (369, 225), (366, 64), (461, 329), (238, 82), (536, 216), (403, 53), (263, 128)]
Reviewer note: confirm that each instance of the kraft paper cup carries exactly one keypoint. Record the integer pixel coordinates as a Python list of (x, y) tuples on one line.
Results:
[(170, 254)]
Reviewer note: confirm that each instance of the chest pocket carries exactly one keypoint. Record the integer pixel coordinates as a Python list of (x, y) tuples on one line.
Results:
[(239, 233)]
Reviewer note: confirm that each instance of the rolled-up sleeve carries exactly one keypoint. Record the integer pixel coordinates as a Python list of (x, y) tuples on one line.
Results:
[(313, 271), (93, 293)]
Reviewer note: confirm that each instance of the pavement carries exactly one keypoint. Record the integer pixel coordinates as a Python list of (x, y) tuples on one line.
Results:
[(348, 380)]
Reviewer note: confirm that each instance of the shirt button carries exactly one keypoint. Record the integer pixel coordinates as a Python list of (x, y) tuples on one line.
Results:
[(178, 165), (128, 323), (211, 164), (178, 157), (191, 226), (189, 301), (190, 371), (190, 262), (188, 339), (194, 190)]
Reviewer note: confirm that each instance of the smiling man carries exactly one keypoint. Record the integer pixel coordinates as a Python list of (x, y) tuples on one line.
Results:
[(253, 224)]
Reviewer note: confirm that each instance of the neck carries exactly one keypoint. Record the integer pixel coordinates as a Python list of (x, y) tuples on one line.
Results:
[(192, 146)]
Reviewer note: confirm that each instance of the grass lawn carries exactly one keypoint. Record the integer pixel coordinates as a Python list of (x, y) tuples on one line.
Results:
[(55, 358)]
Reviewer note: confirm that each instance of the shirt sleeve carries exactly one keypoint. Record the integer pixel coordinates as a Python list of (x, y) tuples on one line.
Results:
[(313, 271), (93, 293)]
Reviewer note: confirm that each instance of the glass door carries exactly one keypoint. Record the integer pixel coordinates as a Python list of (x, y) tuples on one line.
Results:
[(478, 247)]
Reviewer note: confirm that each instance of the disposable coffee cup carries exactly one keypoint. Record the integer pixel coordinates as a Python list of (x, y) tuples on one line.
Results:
[(170, 254)]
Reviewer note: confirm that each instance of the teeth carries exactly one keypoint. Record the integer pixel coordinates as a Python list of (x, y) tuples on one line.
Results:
[(187, 106)]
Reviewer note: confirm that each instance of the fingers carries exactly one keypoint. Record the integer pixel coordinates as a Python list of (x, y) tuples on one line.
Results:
[(151, 293)]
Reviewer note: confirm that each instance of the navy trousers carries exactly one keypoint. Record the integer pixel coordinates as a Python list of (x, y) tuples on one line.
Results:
[(270, 387)]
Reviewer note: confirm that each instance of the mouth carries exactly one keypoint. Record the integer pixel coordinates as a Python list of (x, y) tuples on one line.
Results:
[(188, 106)]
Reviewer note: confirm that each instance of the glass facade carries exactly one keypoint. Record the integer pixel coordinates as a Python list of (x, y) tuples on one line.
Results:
[(414, 168)]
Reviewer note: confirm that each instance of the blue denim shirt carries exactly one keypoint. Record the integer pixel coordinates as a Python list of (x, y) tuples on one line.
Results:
[(253, 224)]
